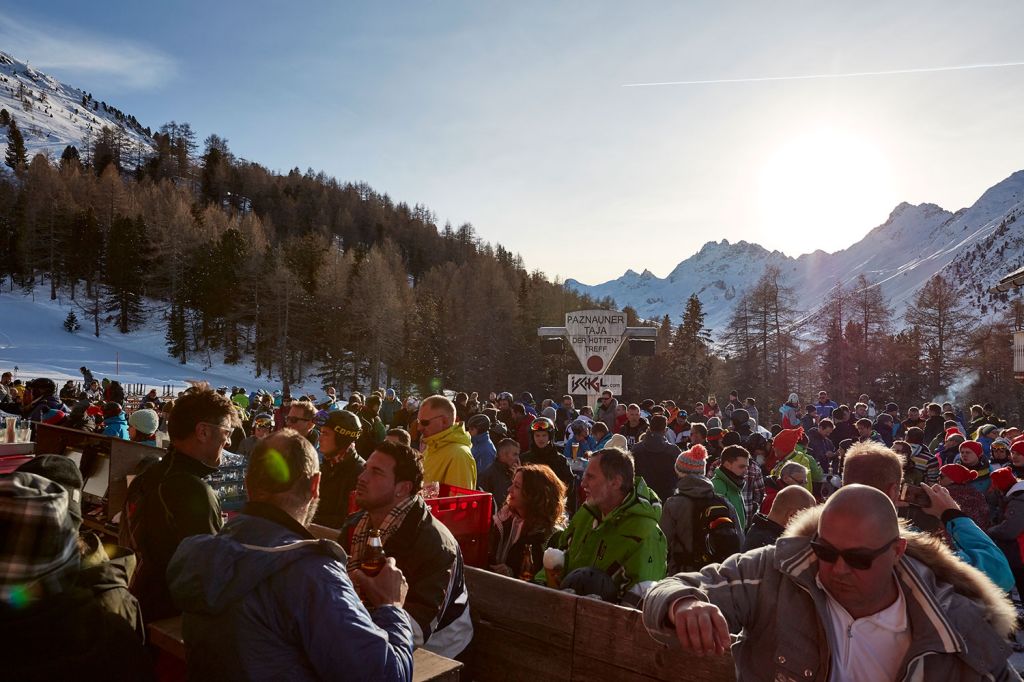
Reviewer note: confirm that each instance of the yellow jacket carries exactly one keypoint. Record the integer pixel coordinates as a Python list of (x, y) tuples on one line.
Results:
[(449, 459)]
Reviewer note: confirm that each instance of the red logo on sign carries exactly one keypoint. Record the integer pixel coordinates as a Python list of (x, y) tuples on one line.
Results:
[(594, 363)]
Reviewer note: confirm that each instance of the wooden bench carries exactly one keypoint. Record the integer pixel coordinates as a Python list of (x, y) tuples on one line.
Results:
[(524, 631), (165, 635)]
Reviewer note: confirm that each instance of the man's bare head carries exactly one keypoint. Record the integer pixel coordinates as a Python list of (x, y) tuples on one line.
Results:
[(788, 502), (873, 509), (858, 546)]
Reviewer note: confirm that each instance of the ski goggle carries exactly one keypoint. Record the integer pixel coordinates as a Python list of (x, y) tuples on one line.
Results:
[(263, 424), (541, 425)]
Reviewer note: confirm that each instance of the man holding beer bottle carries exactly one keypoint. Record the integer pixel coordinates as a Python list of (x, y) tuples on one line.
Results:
[(393, 513), (264, 599)]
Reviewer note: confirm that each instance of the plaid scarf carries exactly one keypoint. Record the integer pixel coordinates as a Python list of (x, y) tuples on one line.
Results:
[(509, 527), (392, 522)]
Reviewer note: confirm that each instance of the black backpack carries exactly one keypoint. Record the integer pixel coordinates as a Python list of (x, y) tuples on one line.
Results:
[(714, 534)]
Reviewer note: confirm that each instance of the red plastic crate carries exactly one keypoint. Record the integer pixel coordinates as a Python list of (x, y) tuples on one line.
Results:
[(467, 514), (11, 462)]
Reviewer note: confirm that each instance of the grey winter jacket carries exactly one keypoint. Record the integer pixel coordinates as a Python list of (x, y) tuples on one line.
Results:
[(960, 620), (677, 517)]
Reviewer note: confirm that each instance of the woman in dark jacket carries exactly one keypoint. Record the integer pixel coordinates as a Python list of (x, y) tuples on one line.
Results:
[(526, 521)]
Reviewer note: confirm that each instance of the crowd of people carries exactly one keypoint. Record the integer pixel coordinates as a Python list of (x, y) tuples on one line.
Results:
[(823, 541)]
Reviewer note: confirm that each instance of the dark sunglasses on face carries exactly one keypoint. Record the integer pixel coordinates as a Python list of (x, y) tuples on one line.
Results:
[(296, 420), (426, 422), (858, 559)]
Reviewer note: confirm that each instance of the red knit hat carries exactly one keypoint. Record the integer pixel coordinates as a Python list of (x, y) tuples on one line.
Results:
[(952, 433), (958, 473), (1018, 446), (974, 446), (785, 442), (1003, 479)]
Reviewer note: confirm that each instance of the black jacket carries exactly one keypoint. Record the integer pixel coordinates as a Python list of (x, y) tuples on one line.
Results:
[(496, 480), (70, 636), (167, 502), (337, 481), (430, 559), (655, 460), (553, 458), (762, 532)]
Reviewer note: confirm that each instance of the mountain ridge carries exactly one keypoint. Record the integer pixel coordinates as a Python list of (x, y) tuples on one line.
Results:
[(52, 115), (915, 242)]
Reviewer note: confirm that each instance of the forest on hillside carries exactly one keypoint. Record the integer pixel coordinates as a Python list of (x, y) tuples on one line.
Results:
[(301, 275)]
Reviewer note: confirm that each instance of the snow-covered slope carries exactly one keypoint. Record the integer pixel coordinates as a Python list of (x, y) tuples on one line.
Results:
[(975, 246), (52, 115), (32, 338)]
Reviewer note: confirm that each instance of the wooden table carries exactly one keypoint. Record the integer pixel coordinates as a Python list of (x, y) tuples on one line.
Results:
[(426, 666)]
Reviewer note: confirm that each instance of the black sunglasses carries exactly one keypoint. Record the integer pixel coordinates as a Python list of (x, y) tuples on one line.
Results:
[(859, 559)]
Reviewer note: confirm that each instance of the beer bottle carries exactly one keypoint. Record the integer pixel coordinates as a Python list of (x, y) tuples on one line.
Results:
[(527, 572), (373, 558)]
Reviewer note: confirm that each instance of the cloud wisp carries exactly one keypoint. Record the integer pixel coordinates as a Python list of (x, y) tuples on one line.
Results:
[(819, 76), (123, 64)]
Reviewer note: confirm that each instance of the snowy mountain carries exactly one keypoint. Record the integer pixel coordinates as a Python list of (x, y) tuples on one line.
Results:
[(52, 115), (974, 246)]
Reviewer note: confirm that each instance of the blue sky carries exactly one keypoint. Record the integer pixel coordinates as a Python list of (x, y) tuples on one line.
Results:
[(514, 116)]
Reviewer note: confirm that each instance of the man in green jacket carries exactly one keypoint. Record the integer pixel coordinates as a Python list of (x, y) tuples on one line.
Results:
[(616, 531), (729, 477)]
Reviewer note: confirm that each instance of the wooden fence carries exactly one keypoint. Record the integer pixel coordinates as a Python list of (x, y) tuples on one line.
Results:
[(529, 632)]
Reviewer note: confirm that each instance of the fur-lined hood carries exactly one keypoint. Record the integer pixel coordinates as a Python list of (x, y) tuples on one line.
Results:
[(933, 553)]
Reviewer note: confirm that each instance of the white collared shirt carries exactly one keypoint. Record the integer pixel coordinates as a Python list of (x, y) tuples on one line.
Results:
[(869, 649)]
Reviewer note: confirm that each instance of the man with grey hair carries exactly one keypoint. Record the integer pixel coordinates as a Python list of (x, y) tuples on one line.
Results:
[(265, 599), (847, 595), (447, 457)]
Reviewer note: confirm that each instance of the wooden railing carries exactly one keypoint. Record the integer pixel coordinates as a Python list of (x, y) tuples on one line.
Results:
[(529, 632)]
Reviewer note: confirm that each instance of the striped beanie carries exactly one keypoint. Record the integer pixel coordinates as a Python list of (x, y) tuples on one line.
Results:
[(692, 461)]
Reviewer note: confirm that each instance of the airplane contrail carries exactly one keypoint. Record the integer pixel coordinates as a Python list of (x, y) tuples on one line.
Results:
[(816, 76)]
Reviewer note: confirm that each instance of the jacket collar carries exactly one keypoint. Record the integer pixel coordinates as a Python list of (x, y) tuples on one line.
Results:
[(190, 464), (932, 630), (271, 513)]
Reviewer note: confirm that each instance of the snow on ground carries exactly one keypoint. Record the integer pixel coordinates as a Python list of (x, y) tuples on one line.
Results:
[(32, 338)]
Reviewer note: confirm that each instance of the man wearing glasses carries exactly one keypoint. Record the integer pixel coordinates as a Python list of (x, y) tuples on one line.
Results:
[(447, 454), (846, 596), (171, 499), (300, 417)]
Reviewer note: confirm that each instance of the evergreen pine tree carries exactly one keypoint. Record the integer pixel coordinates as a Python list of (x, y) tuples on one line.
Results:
[(5, 117), (177, 334), (70, 156), (17, 157), (126, 272), (71, 324)]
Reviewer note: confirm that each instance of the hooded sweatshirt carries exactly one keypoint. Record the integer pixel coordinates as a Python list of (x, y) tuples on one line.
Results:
[(449, 459), (264, 600), (627, 544)]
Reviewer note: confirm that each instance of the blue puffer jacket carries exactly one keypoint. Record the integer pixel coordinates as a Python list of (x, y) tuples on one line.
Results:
[(483, 451), (263, 600), (116, 426)]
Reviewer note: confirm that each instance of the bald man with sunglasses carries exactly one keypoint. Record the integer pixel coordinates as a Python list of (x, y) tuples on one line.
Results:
[(846, 595)]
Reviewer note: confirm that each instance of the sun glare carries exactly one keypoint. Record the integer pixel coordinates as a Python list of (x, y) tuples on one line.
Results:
[(822, 190)]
